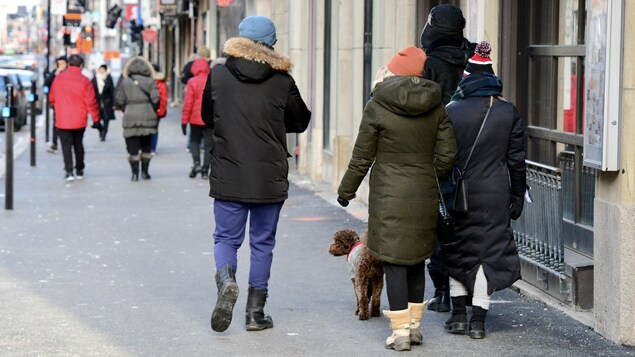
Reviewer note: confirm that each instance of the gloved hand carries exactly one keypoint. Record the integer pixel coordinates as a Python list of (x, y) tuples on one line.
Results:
[(96, 125), (184, 129), (516, 206), (342, 202)]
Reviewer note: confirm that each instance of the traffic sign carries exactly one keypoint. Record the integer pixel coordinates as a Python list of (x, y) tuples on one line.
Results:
[(149, 35)]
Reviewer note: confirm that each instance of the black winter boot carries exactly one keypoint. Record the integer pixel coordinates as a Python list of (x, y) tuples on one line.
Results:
[(441, 300), (457, 323), (477, 322), (145, 164), (134, 166), (255, 318), (227, 296)]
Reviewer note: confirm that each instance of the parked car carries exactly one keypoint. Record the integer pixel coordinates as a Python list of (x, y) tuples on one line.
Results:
[(19, 98), (25, 78)]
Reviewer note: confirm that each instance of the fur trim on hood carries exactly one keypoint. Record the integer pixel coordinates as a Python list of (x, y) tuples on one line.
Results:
[(137, 65), (241, 47)]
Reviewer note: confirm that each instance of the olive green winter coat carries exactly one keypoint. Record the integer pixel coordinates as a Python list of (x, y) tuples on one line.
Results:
[(405, 135)]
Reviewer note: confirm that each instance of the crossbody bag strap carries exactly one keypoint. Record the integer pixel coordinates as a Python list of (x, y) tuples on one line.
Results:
[(491, 101), (442, 208), (141, 89)]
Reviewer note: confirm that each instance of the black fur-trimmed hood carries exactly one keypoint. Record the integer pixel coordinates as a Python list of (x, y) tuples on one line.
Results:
[(250, 61)]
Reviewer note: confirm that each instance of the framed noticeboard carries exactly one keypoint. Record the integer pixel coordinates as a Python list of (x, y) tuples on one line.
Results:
[(603, 81)]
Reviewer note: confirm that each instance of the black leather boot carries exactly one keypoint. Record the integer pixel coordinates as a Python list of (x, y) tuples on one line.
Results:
[(145, 164), (227, 296), (134, 166), (477, 322), (441, 300), (255, 318), (457, 323)]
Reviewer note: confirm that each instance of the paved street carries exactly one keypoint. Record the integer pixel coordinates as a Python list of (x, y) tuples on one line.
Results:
[(109, 267)]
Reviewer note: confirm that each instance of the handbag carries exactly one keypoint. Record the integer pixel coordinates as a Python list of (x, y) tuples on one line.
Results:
[(445, 222), (459, 200)]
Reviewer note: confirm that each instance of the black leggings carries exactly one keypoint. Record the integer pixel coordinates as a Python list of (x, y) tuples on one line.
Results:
[(404, 284), (136, 143)]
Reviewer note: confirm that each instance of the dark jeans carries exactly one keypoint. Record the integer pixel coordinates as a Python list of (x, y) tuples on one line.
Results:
[(198, 133), (72, 141), (404, 284), (230, 218), (104, 128), (54, 138), (134, 144), (155, 137)]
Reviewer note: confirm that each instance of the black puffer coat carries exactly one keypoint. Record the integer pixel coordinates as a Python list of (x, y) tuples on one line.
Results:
[(496, 172), (251, 102)]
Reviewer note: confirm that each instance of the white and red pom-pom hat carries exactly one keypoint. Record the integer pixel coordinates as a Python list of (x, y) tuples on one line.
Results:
[(481, 61)]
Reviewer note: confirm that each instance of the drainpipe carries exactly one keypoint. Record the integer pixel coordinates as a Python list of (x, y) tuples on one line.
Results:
[(368, 45)]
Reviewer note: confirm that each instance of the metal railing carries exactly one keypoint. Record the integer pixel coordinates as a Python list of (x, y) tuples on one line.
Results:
[(538, 231)]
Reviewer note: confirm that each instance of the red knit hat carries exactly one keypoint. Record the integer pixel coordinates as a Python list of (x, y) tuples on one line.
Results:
[(480, 62), (408, 62)]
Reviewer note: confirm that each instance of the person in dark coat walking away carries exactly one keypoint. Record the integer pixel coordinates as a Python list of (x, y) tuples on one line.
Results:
[(138, 97), (105, 92), (191, 114), (73, 98), (61, 63), (407, 138), (250, 103), (447, 52), (484, 258), (159, 80)]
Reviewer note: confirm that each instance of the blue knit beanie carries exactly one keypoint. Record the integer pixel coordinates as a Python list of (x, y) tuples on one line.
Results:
[(258, 28)]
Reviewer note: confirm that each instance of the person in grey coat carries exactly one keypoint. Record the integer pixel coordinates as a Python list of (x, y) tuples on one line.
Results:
[(138, 97)]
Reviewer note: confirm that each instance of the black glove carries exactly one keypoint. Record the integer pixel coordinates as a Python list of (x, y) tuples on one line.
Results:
[(342, 201), (184, 129), (516, 206), (96, 125)]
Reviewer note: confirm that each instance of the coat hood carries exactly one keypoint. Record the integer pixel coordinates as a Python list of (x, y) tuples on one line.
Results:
[(454, 51), (200, 66), (253, 62), (139, 66), (407, 96), (444, 21)]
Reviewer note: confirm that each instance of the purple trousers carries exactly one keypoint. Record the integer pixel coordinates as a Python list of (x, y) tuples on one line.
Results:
[(231, 219)]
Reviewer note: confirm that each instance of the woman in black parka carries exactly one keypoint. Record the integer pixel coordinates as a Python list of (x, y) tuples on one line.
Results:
[(485, 258)]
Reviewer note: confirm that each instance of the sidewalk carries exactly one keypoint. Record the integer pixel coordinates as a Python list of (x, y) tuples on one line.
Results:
[(105, 266)]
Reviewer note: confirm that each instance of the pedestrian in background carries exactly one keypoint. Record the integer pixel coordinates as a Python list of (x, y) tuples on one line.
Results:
[(447, 54), (138, 97), (159, 80), (407, 138), (484, 258), (105, 94), (191, 115), (73, 98), (61, 63), (250, 103)]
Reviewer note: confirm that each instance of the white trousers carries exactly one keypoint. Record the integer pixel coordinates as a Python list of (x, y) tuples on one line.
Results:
[(480, 297)]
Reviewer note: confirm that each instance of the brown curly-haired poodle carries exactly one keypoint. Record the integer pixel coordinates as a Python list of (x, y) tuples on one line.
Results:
[(367, 272)]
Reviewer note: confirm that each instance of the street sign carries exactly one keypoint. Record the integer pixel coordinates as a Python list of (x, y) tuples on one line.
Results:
[(149, 35)]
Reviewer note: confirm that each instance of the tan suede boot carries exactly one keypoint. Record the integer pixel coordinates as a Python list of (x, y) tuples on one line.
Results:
[(416, 314), (400, 325)]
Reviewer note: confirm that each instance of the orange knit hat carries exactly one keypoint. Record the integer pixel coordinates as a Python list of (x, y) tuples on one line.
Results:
[(408, 62)]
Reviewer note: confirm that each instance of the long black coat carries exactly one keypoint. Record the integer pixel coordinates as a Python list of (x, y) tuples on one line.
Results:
[(496, 172), (106, 99), (251, 102)]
